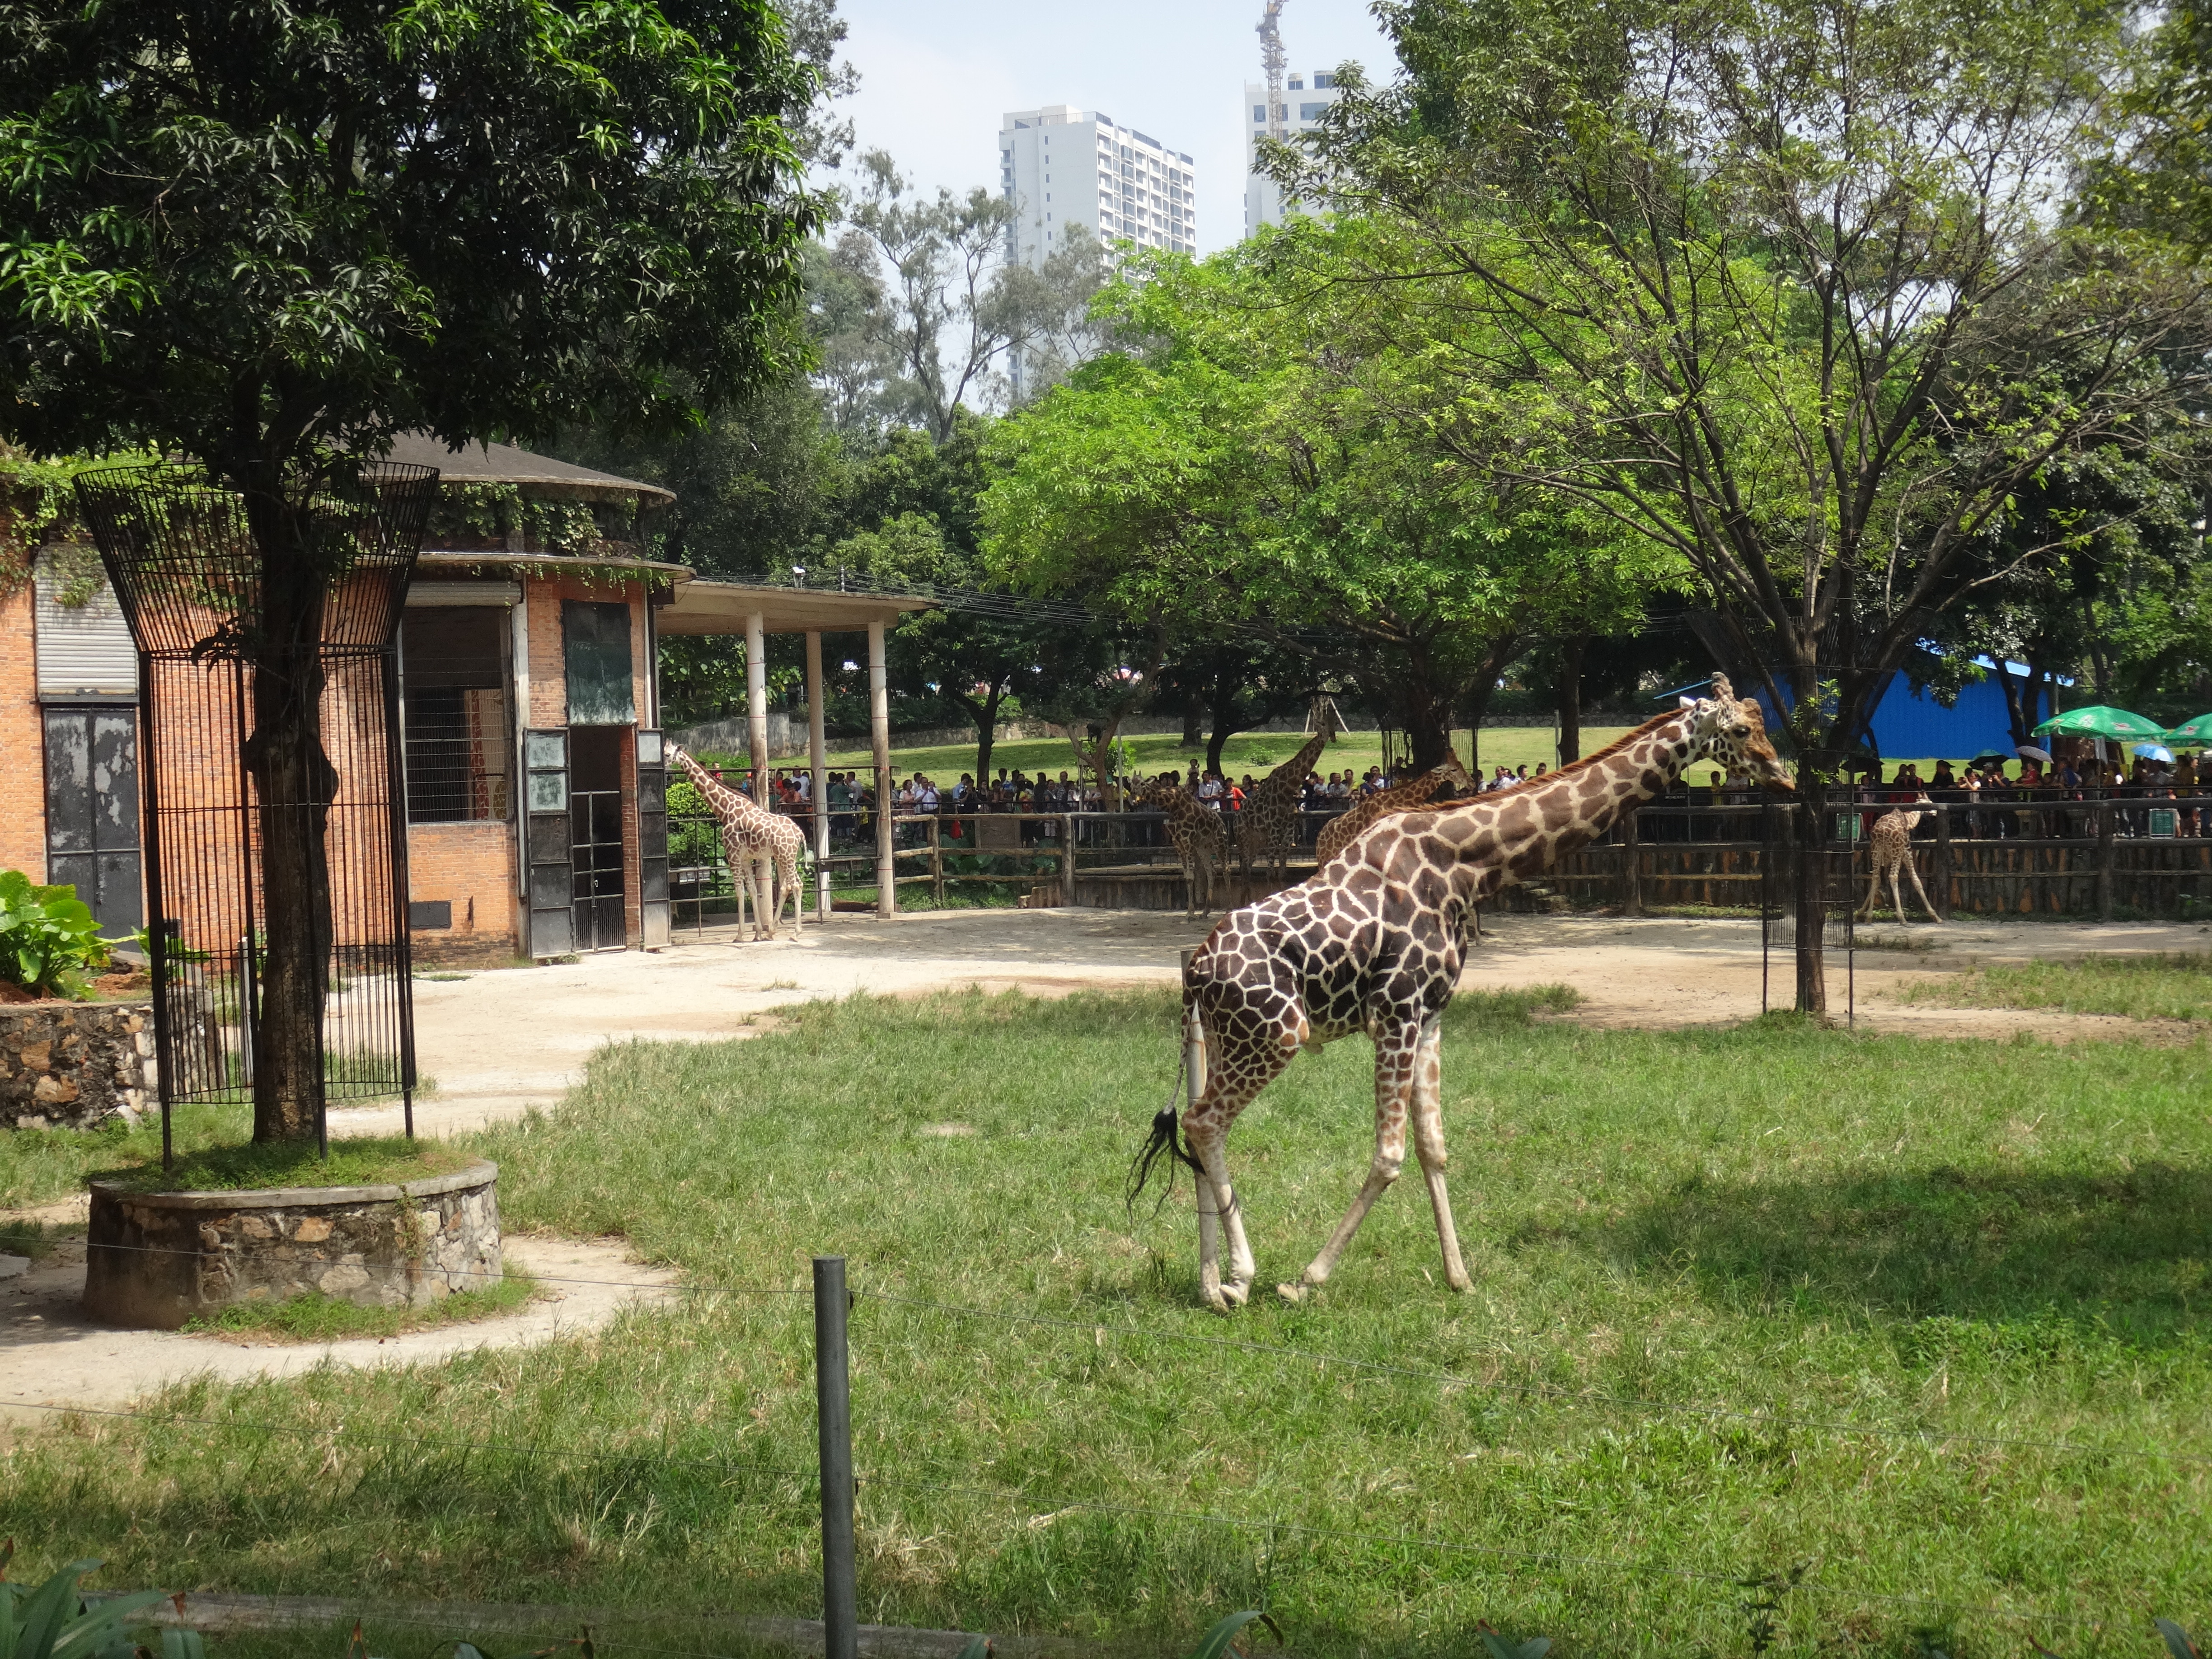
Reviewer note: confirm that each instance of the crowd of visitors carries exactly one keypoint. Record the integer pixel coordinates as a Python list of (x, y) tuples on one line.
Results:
[(1996, 798)]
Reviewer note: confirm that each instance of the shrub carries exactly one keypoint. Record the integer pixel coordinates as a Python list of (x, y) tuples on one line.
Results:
[(47, 936), (54, 1619)]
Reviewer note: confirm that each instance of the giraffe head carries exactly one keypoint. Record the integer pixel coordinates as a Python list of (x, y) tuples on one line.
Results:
[(1733, 732)]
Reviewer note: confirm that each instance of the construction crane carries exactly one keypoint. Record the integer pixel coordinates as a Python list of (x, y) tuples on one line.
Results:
[(1271, 61)]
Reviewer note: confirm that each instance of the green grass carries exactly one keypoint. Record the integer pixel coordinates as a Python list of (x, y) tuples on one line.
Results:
[(213, 1149), (2164, 986), (1700, 1256), (328, 1319), (1255, 752), (364, 1161)]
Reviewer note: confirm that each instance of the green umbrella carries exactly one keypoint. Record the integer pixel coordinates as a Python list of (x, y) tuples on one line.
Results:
[(2099, 721), (2195, 733)]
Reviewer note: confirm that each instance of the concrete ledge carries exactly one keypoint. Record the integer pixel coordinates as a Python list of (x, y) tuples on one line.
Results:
[(156, 1260), (209, 1611)]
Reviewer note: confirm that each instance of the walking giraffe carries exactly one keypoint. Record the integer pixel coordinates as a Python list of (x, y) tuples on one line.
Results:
[(1891, 843), (1194, 831), (1340, 831), (1269, 818), (1372, 942), (762, 847)]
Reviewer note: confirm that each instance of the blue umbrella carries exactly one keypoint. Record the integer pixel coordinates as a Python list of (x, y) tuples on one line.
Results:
[(2157, 751)]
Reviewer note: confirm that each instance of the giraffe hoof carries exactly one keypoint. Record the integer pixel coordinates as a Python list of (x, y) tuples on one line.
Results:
[(1236, 1295), (1291, 1293)]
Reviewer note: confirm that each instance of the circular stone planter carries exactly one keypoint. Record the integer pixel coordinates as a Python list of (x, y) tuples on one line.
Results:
[(154, 1259)]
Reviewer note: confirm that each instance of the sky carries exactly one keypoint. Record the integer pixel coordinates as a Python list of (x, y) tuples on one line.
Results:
[(936, 75)]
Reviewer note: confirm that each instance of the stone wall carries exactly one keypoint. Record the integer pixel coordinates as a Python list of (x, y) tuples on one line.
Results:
[(170, 1256), (76, 1064)]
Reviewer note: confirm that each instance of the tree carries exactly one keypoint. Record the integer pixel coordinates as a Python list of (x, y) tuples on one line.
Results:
[(271, 238), (1248, 472), (1781, 284), (950, 278)]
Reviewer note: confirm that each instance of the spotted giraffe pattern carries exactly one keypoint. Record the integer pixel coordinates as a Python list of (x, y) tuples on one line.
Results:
[(1891, 843), (1195, 831), (1340, 831), (760, 847), (1373, 942), (1268, 822)]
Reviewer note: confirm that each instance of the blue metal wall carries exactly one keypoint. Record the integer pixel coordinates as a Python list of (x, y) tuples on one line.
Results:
[(1909, 724)]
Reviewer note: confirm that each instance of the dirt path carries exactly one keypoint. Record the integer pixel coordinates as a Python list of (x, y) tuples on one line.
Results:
[(51, 1354), (498, 1042)]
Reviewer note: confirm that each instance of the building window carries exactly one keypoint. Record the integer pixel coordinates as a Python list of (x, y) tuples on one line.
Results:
[(456, 712), (1312, 111), (1323, 82)]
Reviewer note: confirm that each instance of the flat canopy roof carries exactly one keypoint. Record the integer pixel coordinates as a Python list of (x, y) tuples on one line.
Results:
[(710, 607), (505, 464)]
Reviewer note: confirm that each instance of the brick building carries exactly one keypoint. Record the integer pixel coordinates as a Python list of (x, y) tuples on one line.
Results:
[(535, 773)]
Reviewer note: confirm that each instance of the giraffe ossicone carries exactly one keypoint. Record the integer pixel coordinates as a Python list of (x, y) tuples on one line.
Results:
[(1373, 942), (761, 847)]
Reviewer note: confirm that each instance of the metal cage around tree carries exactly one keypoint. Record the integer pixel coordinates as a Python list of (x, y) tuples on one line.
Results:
[(181, 552)]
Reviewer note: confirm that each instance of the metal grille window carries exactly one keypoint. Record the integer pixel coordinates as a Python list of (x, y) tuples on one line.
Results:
[(459, 746)]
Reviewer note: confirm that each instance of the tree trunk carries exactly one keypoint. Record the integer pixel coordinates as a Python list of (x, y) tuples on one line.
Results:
[(1193, 722), (294, 782), (1570, 699), (2012, 713)]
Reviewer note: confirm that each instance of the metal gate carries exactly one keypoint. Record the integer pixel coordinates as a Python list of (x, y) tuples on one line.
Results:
[(596, 864), (180, 555)]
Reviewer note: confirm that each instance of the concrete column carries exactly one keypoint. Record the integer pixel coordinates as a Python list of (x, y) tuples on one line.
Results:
[(757, 702), (816, 749), (879, 728)]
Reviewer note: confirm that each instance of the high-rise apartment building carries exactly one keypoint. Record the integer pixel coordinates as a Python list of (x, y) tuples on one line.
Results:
[(1059, 164), (1306, 98)]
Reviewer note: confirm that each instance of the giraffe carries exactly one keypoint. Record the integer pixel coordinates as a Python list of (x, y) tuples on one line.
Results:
[(1269, 821), (1890, 840), (1340, 832), (1372, 942), (762, 847), (1196, 831)]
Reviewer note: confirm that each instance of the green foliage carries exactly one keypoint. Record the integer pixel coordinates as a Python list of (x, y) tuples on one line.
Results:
[(48, 936), (2159, 986), (54, 1621), (261, 237), (1220, 1640), (366, 1161), (318, 1318), (1497, 1647)]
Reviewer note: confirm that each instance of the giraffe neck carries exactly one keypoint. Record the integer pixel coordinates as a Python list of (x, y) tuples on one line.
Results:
[(1533, 825), (718, 793), (1285, 779)]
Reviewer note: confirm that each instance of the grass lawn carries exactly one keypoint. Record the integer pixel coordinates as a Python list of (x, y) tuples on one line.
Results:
[(2140, 987), (1710, 1265), (1255, 752)]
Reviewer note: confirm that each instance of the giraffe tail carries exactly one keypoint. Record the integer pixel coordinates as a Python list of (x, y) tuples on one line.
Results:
[(1166, 1140)]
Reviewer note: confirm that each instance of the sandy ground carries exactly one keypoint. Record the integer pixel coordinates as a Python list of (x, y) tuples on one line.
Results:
[(52, 1355), (498, 1042)]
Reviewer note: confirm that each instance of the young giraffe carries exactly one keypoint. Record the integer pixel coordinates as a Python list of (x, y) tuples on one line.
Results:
[(1269, 820), (1373, 942), (762, 847), (1890, 840), (1195, 831), (1340, 831)]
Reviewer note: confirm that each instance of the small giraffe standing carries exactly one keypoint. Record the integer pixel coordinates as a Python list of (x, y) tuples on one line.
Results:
[(1268, 821), (1891, 843), (1194, 831), (762, 847), (1372, 942), (1340, 832)]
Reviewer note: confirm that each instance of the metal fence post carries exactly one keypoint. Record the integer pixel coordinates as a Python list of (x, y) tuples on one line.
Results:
[(1631, 866), (2103, 858), (833, 1396)]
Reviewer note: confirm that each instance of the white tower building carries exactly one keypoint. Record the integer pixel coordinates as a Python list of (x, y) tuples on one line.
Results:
[(1060, 164), (1306, 98)]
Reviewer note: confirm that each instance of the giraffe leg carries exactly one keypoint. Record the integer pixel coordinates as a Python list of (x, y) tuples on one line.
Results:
[(764, 897), (1896, 896), (1873, 886), (1429, 1145), (1235, 1071), (786, 870), (1396, 1049), (1912, 869)]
